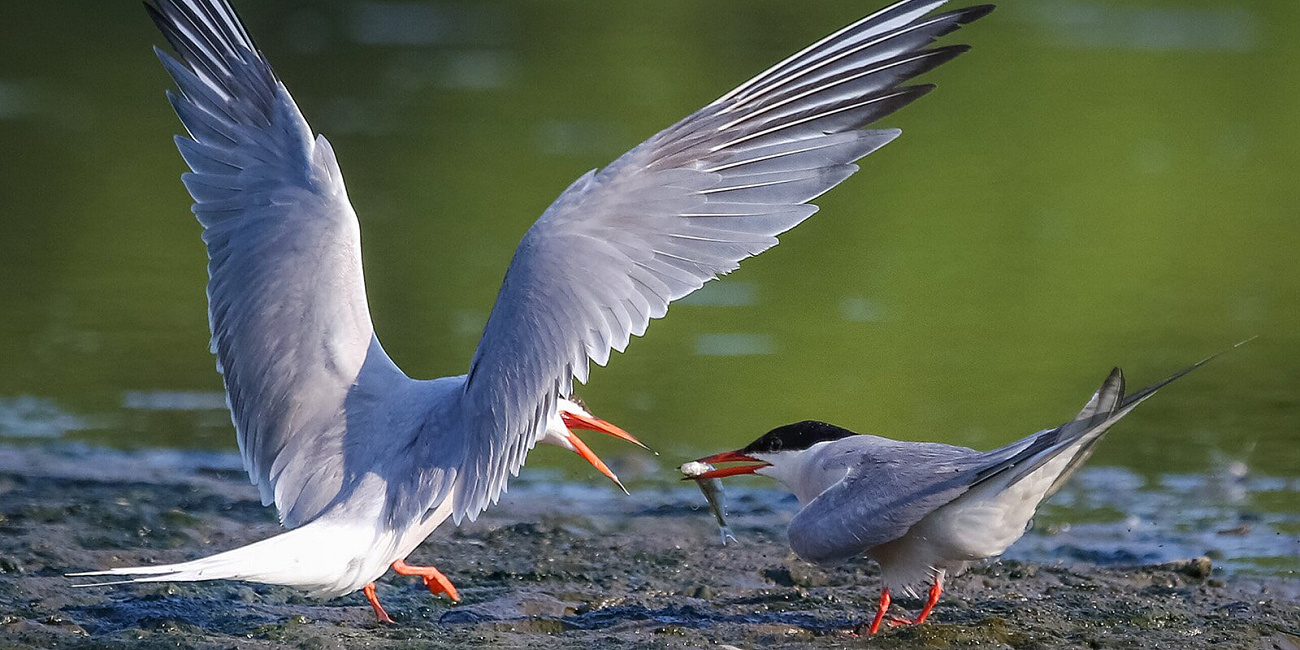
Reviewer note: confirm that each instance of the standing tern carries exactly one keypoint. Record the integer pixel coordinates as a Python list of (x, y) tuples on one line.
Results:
[(922, 510), (363, 462)]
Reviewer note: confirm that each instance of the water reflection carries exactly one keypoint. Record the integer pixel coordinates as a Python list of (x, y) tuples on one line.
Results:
[(1108, 25), (172, 400), (1109, 515), (856, 309), (27, 416), (735, 293), (428, 24), (16, 100), (734, 344), (1061, 205)]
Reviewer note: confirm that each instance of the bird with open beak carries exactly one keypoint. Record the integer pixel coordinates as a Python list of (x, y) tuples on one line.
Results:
[(921, 510), (362, 461), (572, 413)]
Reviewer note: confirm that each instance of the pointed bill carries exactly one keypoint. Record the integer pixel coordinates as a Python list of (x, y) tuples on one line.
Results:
[(728, 457), (581, 448), (579, 421)]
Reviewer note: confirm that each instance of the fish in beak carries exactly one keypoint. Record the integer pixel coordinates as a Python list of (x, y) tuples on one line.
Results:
[(735, 470)]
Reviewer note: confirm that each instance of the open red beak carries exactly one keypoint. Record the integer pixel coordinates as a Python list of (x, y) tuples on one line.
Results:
[(576, 421), (729, 457), (590, 456)]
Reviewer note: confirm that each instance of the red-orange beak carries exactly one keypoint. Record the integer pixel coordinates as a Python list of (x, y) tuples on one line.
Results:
[(729, 457), (581, 448), (576, 421)]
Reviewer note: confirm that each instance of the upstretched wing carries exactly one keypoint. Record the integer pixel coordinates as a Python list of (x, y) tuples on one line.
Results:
[(286, 299), (681, 209)]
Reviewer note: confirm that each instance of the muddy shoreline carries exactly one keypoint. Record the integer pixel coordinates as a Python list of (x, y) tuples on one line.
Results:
[(555, 565)]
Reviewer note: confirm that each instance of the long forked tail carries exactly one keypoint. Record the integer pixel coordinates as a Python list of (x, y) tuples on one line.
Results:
[(1137, 398), (324, 558), (1079, 436)]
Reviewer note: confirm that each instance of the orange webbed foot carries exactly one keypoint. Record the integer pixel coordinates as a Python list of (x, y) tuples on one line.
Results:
[(433, 579)]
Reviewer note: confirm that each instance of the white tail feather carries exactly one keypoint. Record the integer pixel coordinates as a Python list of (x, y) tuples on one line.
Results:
[(326, 558)]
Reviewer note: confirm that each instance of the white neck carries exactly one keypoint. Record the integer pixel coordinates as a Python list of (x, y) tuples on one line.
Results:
[(805, 472)]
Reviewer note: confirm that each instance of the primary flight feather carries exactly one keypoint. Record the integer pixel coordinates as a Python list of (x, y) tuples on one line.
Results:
[(363, 462)]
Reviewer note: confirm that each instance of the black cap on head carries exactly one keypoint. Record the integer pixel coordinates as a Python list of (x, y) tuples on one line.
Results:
[(796, 437)]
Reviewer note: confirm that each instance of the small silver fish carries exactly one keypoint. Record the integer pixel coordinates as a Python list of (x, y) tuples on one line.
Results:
[(712, 489)]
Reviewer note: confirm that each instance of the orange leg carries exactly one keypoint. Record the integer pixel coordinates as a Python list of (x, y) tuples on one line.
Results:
[(433, 579), (374, 602), (880, 614), (935, 590)]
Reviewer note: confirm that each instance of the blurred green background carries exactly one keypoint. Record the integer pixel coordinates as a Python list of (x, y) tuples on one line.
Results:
[(1098, 183)]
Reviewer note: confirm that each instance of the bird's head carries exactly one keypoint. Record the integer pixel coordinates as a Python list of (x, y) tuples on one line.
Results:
[(781, 453), (572, 413)]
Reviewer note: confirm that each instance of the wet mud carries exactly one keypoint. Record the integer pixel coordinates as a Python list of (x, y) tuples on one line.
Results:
[(557, 566)]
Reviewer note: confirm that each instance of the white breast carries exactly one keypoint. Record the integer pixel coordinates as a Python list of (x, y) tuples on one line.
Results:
[(348, 556)]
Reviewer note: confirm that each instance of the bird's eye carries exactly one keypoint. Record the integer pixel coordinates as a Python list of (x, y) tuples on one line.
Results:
[(573, 397)]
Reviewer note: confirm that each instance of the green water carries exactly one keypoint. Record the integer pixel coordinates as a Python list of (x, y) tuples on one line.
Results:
[(1097, 183)]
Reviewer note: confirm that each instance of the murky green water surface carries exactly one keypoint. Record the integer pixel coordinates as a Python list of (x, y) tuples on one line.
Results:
[(1098, 183)]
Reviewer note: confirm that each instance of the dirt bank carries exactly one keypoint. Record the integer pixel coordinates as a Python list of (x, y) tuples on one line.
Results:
[(554, 566)]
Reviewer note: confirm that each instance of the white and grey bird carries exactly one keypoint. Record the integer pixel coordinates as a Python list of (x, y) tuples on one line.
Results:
[(922, 510), (363, 462)]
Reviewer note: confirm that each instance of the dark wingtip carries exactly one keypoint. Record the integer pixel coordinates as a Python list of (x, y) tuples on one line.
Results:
[(938, 56), (914, 92), (974, 13), (155, 13), (965, 16)]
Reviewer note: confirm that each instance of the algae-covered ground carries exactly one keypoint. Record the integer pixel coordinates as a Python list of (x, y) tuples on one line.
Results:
[(556, 566)]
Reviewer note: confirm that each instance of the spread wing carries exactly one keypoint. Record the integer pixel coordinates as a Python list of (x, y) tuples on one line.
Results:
[(286, 298), (681, 209)]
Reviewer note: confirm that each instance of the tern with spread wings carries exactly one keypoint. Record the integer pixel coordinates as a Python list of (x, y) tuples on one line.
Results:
[(361, 461)]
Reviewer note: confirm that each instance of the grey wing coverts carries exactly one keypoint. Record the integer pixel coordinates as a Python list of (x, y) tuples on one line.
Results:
[(889, 487), (681, 209)]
